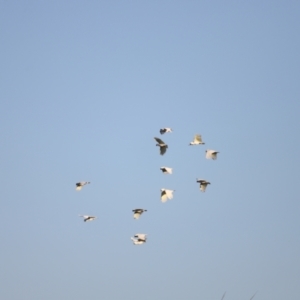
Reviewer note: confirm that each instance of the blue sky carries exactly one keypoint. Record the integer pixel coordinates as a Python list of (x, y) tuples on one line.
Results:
[(86, 85)]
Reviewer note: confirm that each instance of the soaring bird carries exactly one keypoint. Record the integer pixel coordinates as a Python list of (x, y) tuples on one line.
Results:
[(203, 184), (80, 185), (197, 140), (139, 238), (138, 212), (162, 146), (164, 130), (88, 218), (211, 154), (166, 170), (166, 195)]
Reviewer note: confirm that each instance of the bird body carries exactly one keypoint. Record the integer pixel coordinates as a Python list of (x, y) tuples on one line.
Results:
[(166, 170), (166, 195), (197, 140), (87, 218), (211, 154), (81, 184), (203, 184), (162, 146), (138, 212), (165, 130)]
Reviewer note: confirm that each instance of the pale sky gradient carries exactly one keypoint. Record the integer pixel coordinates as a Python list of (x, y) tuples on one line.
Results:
[(86, 86)]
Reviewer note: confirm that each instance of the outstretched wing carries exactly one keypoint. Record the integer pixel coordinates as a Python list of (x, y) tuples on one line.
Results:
[(163, 130), (159, 141), (198, 138), (163, 149)]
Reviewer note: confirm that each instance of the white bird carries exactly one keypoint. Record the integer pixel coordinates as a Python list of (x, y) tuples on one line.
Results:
[(139, 238), (162, 146), (211, 154), (166, 195), (80, 185), (164, 130), (203, 184), (87, 218), (197, 140), (138, 212), (166, 170)]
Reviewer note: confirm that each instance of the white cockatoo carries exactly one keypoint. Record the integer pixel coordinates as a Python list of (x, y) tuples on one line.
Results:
[(165, 130), (139, 238), (87, 218), (166, 195), (197, 140), (211, 154), (166, 170), (203, 184), (80, 185)]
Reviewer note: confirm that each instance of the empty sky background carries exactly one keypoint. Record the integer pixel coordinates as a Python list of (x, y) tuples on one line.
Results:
[(86, 85)]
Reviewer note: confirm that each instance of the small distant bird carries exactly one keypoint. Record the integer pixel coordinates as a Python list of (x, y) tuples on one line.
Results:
[(197, 140), (223, 296), (253, 296), (162, 146), (164, 130), (139, 238), (211, 154), (203, 184), (166, 170), (80, 185), (138, 212), (88, 218), (166, 195)]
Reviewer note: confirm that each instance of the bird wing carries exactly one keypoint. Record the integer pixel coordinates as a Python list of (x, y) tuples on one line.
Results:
[(203, 186), (159, 141), (214, 155), (169, 170), (163, 149), (163, 130), (78, 188), (198, 138), (169, 194)]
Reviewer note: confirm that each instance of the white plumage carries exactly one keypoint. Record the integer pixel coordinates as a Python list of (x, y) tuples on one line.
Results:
[(197, 140), (139, 238), (138, 212), (166, 170), (162, 146), (211, 154), (165, 130), (203, 184), (87, 218), (166, 195), (80, 185)]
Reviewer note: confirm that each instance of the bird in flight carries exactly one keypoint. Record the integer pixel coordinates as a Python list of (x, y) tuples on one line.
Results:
[(138, 212), (139, 238), (87, 218), (203, 184), (162, 146), (80, 185), (211, 154), (166, 170), (197, 140), (165, 130), (166, 195)]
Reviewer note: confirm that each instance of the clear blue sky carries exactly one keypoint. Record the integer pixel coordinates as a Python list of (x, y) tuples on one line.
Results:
[(86, 85)]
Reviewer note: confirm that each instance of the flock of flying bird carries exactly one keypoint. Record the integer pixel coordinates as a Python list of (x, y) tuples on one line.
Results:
[(166, 194)]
